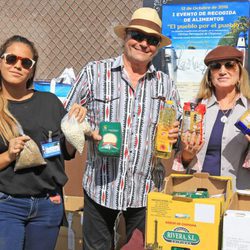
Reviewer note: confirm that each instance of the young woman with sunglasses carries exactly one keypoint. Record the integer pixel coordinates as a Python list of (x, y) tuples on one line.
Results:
[(31, 207), (225, 91)]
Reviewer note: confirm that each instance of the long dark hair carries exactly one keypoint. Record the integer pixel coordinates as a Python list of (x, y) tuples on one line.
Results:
[(21, 39)]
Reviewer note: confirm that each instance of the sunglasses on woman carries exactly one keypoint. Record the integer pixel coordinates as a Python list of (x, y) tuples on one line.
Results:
[(229, 65), (12, 59), (139, 37)]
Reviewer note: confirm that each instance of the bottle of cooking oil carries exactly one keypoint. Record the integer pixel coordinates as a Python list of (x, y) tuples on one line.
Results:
[(167, 116)]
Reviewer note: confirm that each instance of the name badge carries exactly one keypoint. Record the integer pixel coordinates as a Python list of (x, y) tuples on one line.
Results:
[(51, 149)]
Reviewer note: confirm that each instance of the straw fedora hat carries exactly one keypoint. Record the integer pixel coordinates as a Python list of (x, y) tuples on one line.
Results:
[(146, 20)]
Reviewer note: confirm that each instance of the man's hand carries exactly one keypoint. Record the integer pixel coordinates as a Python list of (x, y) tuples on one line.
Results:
[(96, 136), (173, 132), (78, 111)]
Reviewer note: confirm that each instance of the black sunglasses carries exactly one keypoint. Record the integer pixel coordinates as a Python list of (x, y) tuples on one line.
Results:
[(12, 59), (139, 37), (229, 65)]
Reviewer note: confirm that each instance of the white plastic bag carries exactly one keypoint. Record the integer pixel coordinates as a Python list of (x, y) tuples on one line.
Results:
[(67, 77), (75, 131)]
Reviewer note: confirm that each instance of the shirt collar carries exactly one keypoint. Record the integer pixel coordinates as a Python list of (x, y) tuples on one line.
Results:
[(242, 101), (213, 100), (118, 62)]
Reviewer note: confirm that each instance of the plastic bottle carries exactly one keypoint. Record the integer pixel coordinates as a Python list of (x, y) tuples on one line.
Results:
[(193, 116), (167, 116)]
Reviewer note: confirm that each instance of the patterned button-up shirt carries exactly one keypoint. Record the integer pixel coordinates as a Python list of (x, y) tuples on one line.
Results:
[(104, 88)]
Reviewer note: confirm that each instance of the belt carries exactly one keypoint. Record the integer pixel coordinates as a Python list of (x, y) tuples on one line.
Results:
[(43, 195)]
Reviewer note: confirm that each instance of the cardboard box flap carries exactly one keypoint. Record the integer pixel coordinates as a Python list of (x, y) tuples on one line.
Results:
[(240, 201), (202, 175), (189, 183)]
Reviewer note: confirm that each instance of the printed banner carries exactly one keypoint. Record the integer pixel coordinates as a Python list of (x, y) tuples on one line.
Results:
[(195, 29)]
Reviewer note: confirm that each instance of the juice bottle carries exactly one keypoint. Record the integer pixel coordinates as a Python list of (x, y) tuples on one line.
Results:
[(167, 116)]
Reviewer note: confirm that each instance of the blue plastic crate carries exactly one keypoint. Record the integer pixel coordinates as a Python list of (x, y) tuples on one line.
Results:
[(61, 89)]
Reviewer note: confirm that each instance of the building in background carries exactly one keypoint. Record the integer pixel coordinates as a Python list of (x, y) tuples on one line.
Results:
[(67, 33)]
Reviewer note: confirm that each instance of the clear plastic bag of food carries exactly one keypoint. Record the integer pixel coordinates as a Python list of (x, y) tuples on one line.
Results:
[(30, 156), (75, 131)]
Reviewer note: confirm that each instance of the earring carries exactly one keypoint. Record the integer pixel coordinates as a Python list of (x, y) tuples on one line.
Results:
[(237, 86)]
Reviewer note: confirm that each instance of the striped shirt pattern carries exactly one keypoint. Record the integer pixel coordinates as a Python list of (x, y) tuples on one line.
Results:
[(103, 87)]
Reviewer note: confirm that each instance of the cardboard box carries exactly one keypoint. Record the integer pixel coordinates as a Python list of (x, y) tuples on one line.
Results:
[(73, 203), (236, 223), (74, 170), (217, 186), (70, 238), (185, 223)]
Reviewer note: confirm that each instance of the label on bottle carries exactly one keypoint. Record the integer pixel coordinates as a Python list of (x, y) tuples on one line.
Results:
[(162, 142), (193, 116), (243, 123), (167, 116)]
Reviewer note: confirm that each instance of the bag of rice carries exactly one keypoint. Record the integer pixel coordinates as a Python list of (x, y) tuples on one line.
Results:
[(29, 157), (75, 131)]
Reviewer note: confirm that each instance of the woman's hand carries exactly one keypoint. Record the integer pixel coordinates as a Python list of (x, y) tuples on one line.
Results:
[(248, 137), (16, 145), (78, 111), (191, 145)]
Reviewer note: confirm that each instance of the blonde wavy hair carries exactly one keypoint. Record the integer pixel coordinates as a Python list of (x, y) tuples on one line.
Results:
[(8, 123), (207, 89)]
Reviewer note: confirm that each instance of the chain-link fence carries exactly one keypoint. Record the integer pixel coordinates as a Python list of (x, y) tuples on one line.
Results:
[(67, 33)]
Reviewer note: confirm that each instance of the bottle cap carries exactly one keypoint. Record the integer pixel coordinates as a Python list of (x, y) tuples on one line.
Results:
[(201, 108), (170, 102)]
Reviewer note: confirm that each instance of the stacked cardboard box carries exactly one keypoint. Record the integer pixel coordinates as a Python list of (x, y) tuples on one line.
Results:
[(236, 223), (185, 223), (70, 238)]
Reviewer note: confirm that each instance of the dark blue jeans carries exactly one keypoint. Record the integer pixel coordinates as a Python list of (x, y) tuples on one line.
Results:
[(29, 223), (98, 224)]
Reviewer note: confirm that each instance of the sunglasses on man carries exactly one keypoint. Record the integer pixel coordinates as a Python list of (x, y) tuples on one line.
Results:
[(229, 65), (12, 59), (139, 37)]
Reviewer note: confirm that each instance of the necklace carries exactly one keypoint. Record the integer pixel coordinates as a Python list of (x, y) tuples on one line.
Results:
[(224, 118)]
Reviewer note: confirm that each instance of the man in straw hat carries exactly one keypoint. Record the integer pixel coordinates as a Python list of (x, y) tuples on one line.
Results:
[(129, 90)]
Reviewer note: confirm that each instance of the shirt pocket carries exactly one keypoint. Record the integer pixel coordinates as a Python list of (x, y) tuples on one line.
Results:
[(4, 197), (157, 102), (52, 133), (240, 137), (103, 108)]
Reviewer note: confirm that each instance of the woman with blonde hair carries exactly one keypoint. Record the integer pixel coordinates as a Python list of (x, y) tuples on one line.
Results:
[(225, 91)]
